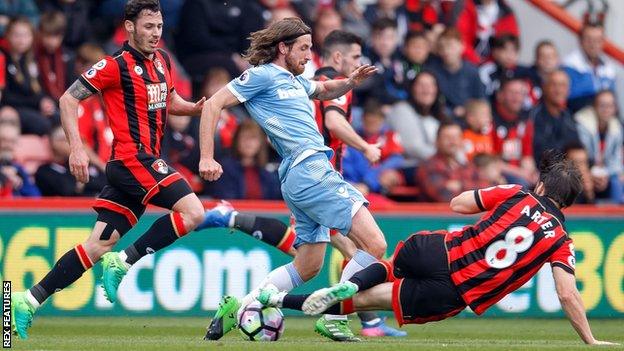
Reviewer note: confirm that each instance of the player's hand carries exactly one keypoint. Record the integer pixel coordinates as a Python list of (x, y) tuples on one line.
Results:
[(197, 107), (209, 169), (79, 164), (373, 152), (362, 73)]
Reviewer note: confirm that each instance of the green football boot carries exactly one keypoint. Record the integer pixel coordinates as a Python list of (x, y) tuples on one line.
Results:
[(337, 330), (114, 269), (224, 320), (22, 313), (322, 299)]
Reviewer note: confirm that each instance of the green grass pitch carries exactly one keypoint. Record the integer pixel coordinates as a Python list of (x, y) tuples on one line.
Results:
[(171, 333)]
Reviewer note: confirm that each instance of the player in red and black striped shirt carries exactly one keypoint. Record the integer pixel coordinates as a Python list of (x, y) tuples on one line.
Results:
[(138, 93), (435, 275)]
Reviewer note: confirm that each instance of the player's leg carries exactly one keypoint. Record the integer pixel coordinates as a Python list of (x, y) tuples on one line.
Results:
[(150, 180), (310, 244), (116, 215), (307, 263), (186, 213), (373, 325), (377, 297), (269, 230), (321, 193)]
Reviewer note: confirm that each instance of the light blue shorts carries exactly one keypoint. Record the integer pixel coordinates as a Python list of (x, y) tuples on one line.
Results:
[(320, 199)]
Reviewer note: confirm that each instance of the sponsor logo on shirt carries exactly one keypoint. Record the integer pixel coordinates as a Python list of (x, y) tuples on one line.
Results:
[(290, 93), (156, 96)]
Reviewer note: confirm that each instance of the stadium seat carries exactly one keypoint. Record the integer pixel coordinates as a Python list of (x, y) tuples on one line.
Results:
[(32, 151)]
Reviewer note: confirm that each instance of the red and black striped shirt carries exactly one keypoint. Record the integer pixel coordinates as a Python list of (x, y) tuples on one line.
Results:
[(341, 105), (136, 91), (508, 246)]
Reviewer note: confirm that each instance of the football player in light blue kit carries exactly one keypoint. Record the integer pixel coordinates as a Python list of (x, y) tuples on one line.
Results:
[(278, 99)]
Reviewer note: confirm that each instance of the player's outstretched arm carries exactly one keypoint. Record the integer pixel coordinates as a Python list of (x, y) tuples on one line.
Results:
[(465, 203), (572, 305), (332, 89), (209, 169), (68, 103), (180, 107), (340, 127)]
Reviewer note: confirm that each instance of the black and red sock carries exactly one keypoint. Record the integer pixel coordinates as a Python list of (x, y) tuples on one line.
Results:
[(162, 233), (67, 270)]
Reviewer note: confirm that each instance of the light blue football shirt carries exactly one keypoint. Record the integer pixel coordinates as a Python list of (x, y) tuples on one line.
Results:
[(280, 103)]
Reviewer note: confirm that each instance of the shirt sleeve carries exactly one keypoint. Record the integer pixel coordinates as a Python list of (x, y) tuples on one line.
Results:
[(564, 257), (339, 104), (250, 83), (488, 198), (102, 75), (308, 85)]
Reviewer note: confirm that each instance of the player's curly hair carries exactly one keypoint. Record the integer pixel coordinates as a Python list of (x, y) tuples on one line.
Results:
[(263, 48), (561, 178)]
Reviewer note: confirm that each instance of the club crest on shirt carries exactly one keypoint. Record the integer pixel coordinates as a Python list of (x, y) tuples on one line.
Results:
[(160, 166), (159, 66), (138, 70)]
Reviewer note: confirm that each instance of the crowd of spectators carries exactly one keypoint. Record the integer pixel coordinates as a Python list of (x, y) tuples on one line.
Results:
[(451, 105)]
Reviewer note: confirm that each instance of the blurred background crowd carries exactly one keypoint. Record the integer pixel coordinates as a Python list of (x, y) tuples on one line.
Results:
[(451, 104)]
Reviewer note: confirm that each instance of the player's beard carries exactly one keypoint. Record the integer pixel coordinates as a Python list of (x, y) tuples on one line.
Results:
[(293, 65), (145, 46)]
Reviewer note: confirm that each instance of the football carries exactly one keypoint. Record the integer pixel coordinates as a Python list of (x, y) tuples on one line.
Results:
[(259, 323)]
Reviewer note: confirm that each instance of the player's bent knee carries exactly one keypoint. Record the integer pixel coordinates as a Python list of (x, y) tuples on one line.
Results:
[(377, 248), (193, 216), (95, 248)]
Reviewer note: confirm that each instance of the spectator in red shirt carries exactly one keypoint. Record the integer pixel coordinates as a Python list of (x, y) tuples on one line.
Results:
[(494, 18), (447, 173), (512, 133), (52, 58)]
